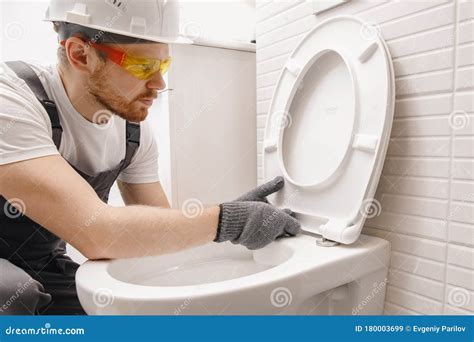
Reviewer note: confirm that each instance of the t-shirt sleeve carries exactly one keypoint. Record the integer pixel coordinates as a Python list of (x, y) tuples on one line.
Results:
[(144, 164), (25, 128)]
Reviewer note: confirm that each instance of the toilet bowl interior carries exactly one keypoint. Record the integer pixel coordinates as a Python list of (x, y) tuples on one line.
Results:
[(206, 264)]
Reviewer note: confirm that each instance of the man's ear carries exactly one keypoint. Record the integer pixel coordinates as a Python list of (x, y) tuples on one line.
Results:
[(80, 54)]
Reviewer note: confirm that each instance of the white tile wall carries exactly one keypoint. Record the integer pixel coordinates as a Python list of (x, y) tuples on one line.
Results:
[(427, 185)]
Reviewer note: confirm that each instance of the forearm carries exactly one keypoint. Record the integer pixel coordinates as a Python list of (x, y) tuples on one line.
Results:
[(137, 230), (144, 194), (56, 197)]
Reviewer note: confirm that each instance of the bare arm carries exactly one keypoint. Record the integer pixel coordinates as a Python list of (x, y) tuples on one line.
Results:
[(56, 197), (146, 194)]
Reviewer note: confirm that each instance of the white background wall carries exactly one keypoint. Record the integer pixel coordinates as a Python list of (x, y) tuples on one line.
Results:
[(229, 20), (212, 125), (426, 189)]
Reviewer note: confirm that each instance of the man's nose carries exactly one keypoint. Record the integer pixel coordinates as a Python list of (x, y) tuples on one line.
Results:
[(156, 82)]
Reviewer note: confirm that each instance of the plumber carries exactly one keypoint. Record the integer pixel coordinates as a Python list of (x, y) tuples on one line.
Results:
[(68, 132)]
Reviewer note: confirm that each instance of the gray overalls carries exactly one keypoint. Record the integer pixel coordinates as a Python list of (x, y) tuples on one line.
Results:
[(36, 277)]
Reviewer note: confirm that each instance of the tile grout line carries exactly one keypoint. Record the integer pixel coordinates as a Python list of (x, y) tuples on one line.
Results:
[(451, 140)]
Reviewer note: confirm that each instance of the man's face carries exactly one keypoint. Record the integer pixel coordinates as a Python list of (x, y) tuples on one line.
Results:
[(122, 93)]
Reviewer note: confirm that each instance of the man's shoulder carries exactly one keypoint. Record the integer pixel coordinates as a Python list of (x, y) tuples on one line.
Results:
[(17, 98), (9, 78)]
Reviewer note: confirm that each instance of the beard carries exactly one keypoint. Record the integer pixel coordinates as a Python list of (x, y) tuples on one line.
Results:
[(113, 99)]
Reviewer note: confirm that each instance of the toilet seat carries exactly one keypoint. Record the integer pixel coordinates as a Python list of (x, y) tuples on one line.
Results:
[(328, 127)]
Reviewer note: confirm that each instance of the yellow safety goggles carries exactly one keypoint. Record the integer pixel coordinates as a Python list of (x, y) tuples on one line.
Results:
[(140, 67)]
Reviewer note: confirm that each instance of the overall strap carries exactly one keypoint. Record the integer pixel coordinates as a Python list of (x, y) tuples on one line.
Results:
[(133, 141), (27, 74)]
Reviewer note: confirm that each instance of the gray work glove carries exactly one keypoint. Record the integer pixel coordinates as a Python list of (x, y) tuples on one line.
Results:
[(260, 193), (254, 224)]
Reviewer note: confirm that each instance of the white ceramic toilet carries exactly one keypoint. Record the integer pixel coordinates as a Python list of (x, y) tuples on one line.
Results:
[(326, 134)]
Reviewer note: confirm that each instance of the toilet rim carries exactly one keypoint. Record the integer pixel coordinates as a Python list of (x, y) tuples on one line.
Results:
[(104, 280), (119, 288), (135, 291), (295, 266)]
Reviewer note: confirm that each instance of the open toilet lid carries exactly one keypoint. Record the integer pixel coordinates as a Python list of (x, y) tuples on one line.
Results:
[(328, 127)]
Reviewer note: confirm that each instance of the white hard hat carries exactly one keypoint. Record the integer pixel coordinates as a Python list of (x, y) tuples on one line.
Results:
[(151, 20)]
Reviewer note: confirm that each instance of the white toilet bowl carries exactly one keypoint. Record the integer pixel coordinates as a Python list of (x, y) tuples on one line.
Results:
[(290, 276), (327, 133)]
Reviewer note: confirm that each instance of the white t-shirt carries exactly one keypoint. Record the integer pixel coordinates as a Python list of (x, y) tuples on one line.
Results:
[(26, 133)]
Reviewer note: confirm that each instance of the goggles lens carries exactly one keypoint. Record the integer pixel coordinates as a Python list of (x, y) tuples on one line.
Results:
[(145, 68), (141, 68)]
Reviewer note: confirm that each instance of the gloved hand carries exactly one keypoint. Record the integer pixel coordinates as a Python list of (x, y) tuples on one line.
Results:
[(260, 193), (254, 224)]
